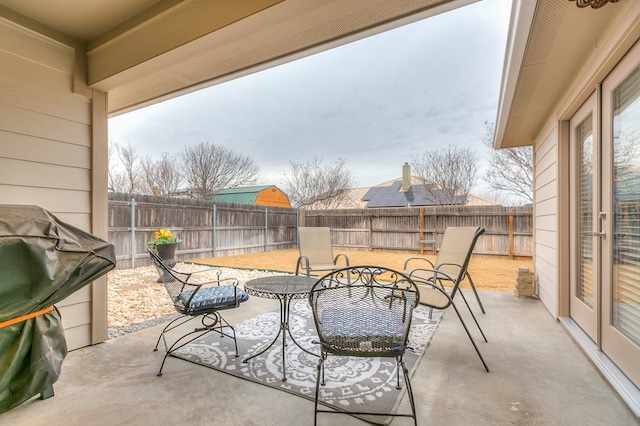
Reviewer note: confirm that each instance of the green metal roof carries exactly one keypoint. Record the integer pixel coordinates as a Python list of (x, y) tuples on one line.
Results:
[(243, 195)]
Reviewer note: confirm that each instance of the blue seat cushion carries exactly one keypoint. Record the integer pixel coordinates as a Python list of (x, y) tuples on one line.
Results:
[(372, 330), (213, 297)]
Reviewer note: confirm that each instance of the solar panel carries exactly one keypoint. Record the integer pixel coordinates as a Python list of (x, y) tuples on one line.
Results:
[(392, 196)]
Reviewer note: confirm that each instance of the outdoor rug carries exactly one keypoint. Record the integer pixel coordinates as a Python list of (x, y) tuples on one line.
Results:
[(356, 384)]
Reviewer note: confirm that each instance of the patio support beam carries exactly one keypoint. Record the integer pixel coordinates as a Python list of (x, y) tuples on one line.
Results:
[(155, 32), (99, 210)]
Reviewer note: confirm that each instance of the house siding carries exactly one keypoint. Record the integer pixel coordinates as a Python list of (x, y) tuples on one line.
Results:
[(545, 219), (46, 145), (551, 178)]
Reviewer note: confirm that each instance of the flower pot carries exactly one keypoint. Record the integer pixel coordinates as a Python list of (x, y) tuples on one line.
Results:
[(167, 253)]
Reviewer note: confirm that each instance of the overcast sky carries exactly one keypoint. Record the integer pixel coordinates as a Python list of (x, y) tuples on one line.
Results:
[(375, 103)]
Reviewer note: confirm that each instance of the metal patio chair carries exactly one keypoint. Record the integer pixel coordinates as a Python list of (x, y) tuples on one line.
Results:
[(450, 257), (316, 251), (197, 300), (433, 293), (364, 311)]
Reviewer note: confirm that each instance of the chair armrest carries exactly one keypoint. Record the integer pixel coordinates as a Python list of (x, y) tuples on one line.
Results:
[(223, 281), (418, 259), (218, 273), (429, 276), (304, 262), (440, 266), (434, 282), (338, 256)]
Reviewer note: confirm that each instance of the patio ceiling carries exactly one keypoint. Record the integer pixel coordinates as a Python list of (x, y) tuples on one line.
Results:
[(548, 45), (145, 51)]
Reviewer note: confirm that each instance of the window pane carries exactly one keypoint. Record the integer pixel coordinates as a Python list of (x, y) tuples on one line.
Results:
[(626, 190), (584, 134)]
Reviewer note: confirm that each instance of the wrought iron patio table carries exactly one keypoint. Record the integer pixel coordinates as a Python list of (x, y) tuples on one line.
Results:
[(285, 288)]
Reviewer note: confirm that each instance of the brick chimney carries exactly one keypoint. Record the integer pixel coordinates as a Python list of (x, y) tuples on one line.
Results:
[(406, 176)]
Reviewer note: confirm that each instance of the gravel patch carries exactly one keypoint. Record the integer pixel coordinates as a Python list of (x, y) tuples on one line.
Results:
[(137, 301)]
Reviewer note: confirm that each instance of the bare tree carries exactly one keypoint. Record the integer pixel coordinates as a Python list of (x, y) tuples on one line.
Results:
[(447, 175), (208, 168), (323, 186), (124, 170), (161, 177), (497, 197), (112, 178), (511, 169)]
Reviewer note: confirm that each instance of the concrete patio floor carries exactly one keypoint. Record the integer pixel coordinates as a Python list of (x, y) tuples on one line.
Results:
[(538, 377)]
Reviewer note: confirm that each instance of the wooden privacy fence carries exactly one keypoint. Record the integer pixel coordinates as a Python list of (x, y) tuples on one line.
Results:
[(206, 229), (224, 229), (509, 230)]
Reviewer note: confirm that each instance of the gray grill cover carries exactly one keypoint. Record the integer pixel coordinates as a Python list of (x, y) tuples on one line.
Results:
[(42, 261)]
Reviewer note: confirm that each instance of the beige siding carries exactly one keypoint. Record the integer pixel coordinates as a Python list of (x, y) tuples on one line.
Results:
[(46, 144), (545, 220)]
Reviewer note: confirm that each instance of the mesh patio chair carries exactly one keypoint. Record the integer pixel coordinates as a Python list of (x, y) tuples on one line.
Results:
[(450, 256), (433, 293), (197, 301), (364, 311), (316, 251)]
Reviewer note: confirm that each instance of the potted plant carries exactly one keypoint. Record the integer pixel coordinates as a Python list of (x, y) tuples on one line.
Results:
[(165, 244)]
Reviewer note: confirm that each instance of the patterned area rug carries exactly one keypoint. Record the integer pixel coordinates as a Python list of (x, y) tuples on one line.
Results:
[(356, 384)]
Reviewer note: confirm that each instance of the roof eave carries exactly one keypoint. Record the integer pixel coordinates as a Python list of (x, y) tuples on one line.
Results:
[(520, 23)]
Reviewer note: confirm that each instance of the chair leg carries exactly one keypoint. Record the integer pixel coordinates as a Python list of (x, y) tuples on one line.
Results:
[(470, 337), (475, 292), (219, 319), (400, 365), (170, 327), (407, 382), (473, 316), (320, 368), (218, 325)]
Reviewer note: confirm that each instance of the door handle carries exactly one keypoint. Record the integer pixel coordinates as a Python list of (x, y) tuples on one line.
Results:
[(602, 234)]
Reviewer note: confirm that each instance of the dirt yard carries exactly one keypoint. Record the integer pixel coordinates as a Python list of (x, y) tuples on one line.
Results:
[(488, 272)]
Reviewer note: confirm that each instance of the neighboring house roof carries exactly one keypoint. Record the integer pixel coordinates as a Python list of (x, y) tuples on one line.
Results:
[(351, 200), (393, 196), (267, 195), (388, 194)]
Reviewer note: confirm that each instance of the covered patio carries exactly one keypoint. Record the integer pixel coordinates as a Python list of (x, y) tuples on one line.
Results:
[(66, 69), (538, 377)]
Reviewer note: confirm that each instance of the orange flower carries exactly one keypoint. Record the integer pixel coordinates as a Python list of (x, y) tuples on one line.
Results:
[(163, 236)]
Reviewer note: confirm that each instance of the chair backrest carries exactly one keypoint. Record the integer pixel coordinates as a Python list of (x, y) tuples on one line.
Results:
[(315, 244), (455, 249), (175, 282), (364, 310)]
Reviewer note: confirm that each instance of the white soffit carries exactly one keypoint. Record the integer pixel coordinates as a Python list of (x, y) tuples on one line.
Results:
[(284, 32), (549, 43)]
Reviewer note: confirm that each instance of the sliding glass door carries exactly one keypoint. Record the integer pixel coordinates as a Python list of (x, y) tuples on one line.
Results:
[(605, 211), (621, 196)]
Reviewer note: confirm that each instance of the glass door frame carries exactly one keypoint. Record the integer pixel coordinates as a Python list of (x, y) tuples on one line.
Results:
[(614, 344), (587, 317)]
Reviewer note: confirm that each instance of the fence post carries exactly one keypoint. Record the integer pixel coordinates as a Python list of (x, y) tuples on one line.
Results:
[(421, 226), (133, 233), (213, 230), (511, 242), (266, 228)]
